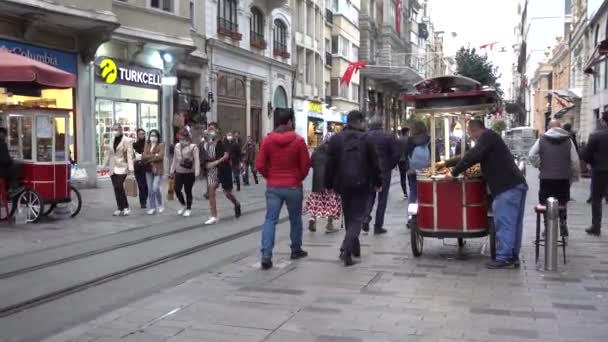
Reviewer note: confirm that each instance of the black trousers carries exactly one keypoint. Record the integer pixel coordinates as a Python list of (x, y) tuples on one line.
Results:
[(10, 175), (403, 175), (598, 191), (185, 181), (118, 182), (236, 176), (248, 165), (354, 207), (142, 186)]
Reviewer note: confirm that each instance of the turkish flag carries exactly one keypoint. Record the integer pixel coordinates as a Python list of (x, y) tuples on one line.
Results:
[(490, 45), (352, 68)]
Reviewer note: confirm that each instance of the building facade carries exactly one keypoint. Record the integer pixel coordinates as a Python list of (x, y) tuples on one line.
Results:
[(540, 85)]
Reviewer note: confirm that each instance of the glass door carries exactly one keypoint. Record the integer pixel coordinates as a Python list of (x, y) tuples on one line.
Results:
[(148, 117), (104, 116), (125, 113)]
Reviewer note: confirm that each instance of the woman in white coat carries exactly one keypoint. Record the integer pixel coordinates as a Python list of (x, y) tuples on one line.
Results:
[(119, 161)]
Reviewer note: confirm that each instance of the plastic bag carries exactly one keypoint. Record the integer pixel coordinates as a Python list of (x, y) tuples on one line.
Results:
[(171, 190), (131, 187), (79, 174)]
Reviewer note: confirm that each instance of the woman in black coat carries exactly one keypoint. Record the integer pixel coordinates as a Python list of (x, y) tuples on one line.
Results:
[(322, 203)]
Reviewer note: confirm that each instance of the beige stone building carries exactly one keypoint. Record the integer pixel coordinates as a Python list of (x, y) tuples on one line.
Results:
[(540, 85)]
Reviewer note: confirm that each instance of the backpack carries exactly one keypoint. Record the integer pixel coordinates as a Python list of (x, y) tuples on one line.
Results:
[(420, 158), (353, 168)]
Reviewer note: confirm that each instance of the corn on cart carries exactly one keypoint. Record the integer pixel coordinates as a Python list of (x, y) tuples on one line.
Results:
[(459, 208)]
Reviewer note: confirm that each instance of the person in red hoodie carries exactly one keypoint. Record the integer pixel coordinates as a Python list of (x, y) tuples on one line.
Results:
[(284, 161)]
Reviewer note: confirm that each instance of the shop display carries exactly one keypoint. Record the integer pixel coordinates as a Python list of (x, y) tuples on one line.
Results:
[(472, 172)]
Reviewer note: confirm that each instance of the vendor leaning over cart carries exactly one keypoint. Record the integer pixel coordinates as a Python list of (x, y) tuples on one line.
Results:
[(507, 187), (8, 170)]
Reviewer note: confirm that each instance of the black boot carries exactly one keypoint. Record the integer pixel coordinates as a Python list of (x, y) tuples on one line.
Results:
[(312, 226), (346, 258), (593, 231)]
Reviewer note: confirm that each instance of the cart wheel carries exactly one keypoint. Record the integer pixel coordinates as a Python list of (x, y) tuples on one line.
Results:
[(48, 211), (417, 242), (30, 202), (461, 243), (492, 238), (75, 201)]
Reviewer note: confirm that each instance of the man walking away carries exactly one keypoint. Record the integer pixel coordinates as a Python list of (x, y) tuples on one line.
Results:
[(250, 149), (596, 155), (284, 162), (403, 159), (235, 159), (507, 187), (388, 155), (353, 171), (555, 156)]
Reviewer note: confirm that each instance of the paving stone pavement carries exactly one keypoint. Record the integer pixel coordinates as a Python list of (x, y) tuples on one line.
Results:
[(389, 296)]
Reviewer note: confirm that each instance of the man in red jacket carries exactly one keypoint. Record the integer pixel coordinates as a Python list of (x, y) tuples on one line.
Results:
[(284, 161)]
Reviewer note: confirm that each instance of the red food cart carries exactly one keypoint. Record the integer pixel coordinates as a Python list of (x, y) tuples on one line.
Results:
[(450, 209), (37, 141)]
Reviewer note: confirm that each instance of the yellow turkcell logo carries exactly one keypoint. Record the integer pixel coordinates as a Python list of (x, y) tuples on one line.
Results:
[(108, 69)]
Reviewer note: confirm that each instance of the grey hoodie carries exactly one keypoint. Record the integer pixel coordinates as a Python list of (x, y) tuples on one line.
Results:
[(555, 155)]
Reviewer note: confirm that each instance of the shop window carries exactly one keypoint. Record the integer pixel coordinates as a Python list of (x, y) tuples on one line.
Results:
[(280, 39), (44, 138), (230, 86), (257, 28), (164, 5), (60, 139), (227, 17)]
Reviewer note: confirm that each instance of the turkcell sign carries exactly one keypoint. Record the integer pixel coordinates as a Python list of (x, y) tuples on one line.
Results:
[(111, 71)]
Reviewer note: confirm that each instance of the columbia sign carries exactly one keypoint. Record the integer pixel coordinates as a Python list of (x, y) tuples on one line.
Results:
[(110, 71)]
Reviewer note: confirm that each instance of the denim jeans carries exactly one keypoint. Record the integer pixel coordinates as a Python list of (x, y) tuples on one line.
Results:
[(508, 208), (155, 198), (411, 180), (382, 200), (275, 197)]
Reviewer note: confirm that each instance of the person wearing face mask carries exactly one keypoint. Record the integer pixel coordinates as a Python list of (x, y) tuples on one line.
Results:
[(184, 169), (154, 156), (119, 163), (219, 172), (141, 167), (234, 151)]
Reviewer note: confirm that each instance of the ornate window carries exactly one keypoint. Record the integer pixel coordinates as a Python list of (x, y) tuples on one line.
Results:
[(280, 39), (256, 27), (227, 18)]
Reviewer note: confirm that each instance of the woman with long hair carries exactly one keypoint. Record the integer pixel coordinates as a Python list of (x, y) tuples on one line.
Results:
[(141, 167), (185, 168), (154, 157), (219, 172)]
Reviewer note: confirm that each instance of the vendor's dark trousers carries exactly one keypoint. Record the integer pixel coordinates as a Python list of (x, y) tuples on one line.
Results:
[(10, 175), (382, 200), (354, 206), (185, 181), (248, 165), (118, 182), (600, 187), (591, 190), (142, 186), (403, 175)]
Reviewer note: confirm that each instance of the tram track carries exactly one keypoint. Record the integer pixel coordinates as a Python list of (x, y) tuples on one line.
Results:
[(89, 253), (105, 278)]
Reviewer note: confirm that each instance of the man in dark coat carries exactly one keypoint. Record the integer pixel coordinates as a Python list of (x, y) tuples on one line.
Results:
[(387, 150), (596, 155), (353, 171)]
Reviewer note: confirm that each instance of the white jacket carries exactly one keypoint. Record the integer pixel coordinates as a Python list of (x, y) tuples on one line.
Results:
[(120, 162)]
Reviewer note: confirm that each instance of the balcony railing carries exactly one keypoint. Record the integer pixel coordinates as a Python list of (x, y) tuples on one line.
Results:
[(329, 16), (280, 50), (227, 28), (328, 58), (257, 40)]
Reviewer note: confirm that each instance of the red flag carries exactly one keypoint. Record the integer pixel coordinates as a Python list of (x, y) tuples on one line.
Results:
[(485, 46), (398, 17), (352, 68)]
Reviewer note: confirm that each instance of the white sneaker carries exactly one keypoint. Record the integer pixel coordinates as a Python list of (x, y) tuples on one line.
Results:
[(151, 211), (126, 212), (117, 213), (187, 213), (212, 220), (160, 210), (181, 211)]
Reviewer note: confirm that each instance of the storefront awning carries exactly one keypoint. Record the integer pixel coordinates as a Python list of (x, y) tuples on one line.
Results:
[(18, 69), (399, 77)]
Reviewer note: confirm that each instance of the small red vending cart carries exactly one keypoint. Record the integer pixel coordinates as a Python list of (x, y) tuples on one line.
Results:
[(450, 209), (37, 141)]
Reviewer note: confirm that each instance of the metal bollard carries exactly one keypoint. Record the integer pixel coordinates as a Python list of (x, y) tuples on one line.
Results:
[(551, 235)]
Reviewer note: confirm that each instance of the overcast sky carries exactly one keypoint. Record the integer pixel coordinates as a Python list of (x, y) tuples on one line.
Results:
[(479, 22)]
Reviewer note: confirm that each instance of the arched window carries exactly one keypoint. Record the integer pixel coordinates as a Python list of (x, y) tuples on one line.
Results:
[(280, 39), (280, 98), (256, 27), (227, 20)]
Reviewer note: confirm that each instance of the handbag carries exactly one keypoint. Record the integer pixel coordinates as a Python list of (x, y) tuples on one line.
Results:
[(171, 190), (130, 186), (186, 163)]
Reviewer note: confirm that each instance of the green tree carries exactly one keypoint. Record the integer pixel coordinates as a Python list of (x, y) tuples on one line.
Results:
[(473, 65)]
